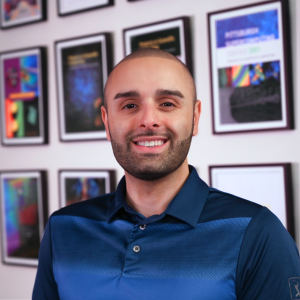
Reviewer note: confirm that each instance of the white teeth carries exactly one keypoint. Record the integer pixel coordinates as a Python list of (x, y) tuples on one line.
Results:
[(151, 143)]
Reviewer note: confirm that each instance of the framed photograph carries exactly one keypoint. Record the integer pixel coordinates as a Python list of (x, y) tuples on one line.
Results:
[(266, 184), (23, 97), (83, 65), (79, 185), (21, 12), (251, 68), (172, 36), (24, 213), (68, 7)]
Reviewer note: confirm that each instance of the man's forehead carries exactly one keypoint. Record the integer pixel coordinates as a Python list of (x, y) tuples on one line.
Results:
[(163, 60), (129, 66)]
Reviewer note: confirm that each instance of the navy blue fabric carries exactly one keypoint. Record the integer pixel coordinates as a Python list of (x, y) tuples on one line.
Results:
[(206, 245)]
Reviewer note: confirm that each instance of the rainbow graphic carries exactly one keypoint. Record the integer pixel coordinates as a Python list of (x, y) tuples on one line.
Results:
[(240, 76), (21, 89)]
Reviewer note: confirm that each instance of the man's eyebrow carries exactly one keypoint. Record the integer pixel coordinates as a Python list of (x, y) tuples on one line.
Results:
[(162, 92), (127, 94)]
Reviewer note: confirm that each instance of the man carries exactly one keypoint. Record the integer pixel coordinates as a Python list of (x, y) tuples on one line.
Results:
[(164, 234)]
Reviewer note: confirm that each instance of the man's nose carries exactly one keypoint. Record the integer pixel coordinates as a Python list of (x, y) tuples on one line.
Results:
[(149, 116)]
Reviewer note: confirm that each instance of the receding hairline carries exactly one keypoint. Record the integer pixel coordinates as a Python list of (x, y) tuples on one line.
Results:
[(152, 52)]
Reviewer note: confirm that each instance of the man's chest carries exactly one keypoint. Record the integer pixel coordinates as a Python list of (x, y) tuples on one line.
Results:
[(96, 260)]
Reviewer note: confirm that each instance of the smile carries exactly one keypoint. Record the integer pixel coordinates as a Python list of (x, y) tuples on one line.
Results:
[(150, 143)]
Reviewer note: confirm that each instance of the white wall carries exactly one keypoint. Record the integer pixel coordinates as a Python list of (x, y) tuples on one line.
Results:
[(207, 149)]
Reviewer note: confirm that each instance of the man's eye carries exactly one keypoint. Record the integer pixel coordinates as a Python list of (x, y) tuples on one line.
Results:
[(130, 106), (167, 104)]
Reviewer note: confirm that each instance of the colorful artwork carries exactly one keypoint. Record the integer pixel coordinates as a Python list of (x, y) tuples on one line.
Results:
[(21, 217), (253, 94), (83, 188), (21, 9), (82, 68), (250, 73), (240, 76), (21, 94), (83, 88)]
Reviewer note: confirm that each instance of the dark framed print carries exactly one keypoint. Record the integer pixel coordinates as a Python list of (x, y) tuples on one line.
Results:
[(172, 36), (251, 68), (67, 7), (266, 184), (24, 213), (83, 65), (79, 185), (23, 97), (21, 12)]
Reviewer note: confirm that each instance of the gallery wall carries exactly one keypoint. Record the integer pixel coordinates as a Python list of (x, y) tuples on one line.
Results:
[(16, 282)]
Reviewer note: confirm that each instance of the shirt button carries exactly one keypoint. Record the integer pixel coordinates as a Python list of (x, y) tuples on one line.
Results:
[(142, 227), (136, 249)]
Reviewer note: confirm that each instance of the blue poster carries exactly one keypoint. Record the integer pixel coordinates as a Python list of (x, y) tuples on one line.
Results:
[(247, 29)]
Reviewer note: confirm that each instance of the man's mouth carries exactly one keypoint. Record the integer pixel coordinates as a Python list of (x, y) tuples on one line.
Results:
[(154, 143)]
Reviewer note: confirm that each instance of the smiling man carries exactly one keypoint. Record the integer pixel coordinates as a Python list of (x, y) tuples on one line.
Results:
[(164, 234)]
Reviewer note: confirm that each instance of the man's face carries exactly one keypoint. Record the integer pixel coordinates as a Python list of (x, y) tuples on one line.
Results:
[(151, 118)]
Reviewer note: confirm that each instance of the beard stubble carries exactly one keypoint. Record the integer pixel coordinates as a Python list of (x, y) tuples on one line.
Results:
[(151, 166)]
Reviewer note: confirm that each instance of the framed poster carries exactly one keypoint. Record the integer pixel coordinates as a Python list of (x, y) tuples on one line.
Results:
[(24, 213), (79, 185), (23, 97), (172, 36), (83, 65), (266, 184), (68, 7), (21, 12), (250, 68)]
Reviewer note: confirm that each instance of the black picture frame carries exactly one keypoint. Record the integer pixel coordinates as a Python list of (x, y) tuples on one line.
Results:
[(250, 68), (24, 214), (38, 13), (88, 60), (24, 97), (80, 185), (66, 11), (252, 181), (173, 36)]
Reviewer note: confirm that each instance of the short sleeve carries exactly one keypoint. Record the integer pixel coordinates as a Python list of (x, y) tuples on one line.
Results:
[(45, 287), (268, 260)]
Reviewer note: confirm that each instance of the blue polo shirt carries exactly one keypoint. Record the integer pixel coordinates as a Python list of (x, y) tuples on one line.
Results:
[(206, 245)]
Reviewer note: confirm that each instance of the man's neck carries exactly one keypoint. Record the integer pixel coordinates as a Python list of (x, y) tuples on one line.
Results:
[(153, 197)]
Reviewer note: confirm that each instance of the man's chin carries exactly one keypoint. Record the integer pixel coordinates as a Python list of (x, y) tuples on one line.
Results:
[(147, 175), (150, 172)]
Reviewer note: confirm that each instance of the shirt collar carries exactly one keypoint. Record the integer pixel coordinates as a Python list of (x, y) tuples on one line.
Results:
[(187, 205)]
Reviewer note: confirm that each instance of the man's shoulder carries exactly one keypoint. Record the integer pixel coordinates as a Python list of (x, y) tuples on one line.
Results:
[(222, 205), (95, 208)]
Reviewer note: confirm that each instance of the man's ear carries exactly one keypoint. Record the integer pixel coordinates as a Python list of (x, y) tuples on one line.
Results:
[(105, 121), (197, 113)]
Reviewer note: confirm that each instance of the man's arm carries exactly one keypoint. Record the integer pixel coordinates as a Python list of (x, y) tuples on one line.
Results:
[(269, 265), (45, 287)]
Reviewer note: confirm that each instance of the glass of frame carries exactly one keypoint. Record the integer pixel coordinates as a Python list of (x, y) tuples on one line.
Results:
[(24, 213), (79, 185), (21, 12), (23, 97), (68, 7), (172, 36), (266, 184), (250, 68), (83, 65)]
